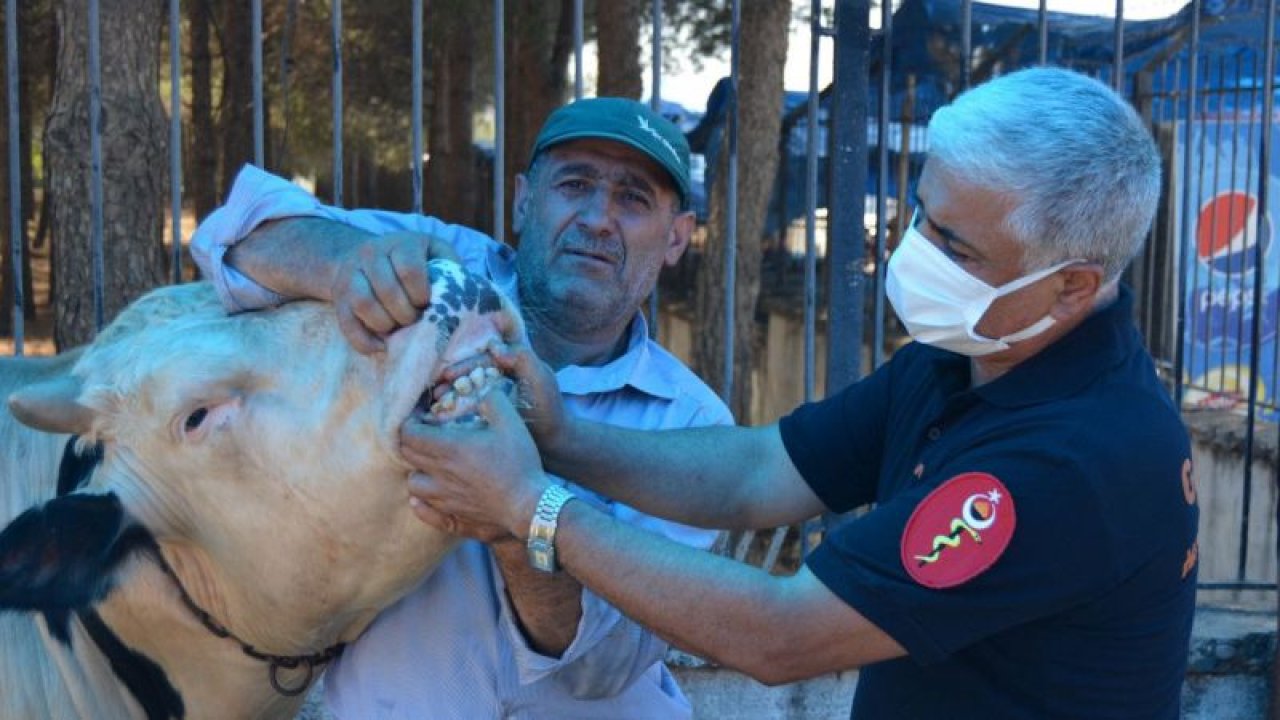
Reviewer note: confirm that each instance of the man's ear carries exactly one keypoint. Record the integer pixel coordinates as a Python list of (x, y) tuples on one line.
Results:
[(520, 204), (678, 237), (1082, 283)]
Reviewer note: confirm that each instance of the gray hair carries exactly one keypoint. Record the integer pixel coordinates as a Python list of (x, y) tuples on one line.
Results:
[(1078, 161)]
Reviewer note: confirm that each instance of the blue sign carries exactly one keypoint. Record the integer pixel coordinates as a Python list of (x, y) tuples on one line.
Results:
[(1232, 251)]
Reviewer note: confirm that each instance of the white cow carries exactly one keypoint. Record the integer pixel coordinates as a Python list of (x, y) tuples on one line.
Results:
[(235, 508)]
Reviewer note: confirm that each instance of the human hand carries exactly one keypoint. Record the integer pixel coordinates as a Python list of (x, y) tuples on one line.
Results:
[(381, 284), (538, 396), (480, 480), (484, 532)]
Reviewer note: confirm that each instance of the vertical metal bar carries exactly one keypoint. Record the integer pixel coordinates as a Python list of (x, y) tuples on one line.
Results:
[(499, 120), (1202, 150), (1042, 23), (810, 528), (259, 153), (966, 44), (1234, 182), (731, 222), (847, 123), (811, 207), (577, 50), (1184, 239), (175, 140), (655, 97), (1213, 212), (655, 102), (1117, 70), (17, 235), (882, 189), (1264, 191), (1268, 108), (95, 165), (415, 161), (336, 45)]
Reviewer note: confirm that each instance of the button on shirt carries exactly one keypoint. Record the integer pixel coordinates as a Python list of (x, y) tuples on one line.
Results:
[(452, 648), (1087, 611)]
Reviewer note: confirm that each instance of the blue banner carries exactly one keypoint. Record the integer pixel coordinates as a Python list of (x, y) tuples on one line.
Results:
[(1230, 254)]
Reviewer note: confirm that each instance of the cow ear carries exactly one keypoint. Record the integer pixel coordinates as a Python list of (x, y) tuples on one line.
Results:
[(52, 406), (62, 555)]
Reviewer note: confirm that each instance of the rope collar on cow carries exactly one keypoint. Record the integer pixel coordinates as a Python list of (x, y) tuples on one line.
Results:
[(274, 662)]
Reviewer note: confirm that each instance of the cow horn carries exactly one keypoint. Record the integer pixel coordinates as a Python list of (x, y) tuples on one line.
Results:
[(52, 405)]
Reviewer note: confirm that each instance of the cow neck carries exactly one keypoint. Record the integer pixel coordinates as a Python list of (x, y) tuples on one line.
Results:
[(275, 663)]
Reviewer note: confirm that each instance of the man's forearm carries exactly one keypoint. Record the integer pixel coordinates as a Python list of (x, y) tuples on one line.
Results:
[(716, 476), (295, 257), (548, 606)]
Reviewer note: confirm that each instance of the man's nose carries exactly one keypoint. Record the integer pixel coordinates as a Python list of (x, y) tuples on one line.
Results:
[(596, 214)]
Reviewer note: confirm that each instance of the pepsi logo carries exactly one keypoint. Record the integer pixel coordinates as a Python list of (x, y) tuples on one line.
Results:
[(1227, 233)]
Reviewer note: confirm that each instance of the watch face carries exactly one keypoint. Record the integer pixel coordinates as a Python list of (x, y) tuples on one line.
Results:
[(542, 555)]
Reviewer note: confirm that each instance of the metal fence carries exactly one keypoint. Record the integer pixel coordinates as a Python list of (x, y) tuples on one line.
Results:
[(1208, 287)]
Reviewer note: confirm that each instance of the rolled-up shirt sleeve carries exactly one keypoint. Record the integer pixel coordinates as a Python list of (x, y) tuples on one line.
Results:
[(258, 197), (609, 651)]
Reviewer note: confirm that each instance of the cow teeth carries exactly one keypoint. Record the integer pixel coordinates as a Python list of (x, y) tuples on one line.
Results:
[(491, 372), (463, 385), (448, 402), (477, 377)]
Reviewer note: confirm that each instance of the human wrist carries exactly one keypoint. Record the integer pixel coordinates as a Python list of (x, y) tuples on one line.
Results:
[(544, 526), (555, 445)]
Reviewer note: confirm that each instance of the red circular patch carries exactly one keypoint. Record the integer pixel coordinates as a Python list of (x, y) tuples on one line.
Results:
[(958, 531)]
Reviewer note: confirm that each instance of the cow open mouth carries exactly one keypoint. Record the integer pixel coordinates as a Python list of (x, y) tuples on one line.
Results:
[(453, 396)]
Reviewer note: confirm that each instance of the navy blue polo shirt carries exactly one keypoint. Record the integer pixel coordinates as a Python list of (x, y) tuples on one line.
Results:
[(1033, 540)]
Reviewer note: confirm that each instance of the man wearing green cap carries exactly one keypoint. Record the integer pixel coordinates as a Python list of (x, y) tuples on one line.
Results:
[(602, 207)]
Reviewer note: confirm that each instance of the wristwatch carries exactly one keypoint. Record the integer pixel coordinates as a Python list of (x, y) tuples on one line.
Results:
[(542, 529)]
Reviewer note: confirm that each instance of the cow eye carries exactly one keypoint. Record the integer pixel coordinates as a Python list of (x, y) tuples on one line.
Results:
[(195, 418)]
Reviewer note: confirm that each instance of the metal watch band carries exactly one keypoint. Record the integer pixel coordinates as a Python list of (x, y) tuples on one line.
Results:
[(542, 528)]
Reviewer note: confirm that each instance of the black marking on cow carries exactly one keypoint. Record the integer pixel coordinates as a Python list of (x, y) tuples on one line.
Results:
[(145, 680), (61, 556), (459, 294), (77, 466)]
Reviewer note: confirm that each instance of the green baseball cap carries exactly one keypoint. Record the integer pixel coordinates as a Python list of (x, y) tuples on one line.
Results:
[(628, 122)]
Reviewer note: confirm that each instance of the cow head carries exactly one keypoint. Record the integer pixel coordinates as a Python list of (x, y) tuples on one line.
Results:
[(258, 453)]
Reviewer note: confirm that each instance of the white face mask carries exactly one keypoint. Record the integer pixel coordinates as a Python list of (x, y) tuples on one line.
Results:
[(941, 304)]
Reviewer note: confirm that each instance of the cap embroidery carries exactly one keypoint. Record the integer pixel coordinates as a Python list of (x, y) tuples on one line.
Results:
[(645, 126)]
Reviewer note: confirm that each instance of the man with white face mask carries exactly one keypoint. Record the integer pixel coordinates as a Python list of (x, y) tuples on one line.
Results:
[(1032, 549)]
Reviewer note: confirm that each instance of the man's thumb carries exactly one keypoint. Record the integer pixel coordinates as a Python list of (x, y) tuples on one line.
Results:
[(496, 408)]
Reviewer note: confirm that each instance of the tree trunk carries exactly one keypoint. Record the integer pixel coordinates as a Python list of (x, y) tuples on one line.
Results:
[(539, 44), (134, 163), (235, 126), (6, 246), (763, 48), (618, 40), (450, 186), (202, 179)]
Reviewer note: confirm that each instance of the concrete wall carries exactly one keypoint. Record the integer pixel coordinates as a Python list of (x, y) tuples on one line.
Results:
[(1228, 678)]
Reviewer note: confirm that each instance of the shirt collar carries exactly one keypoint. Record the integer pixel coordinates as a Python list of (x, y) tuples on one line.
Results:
[(637, 366), (1064, 368)]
